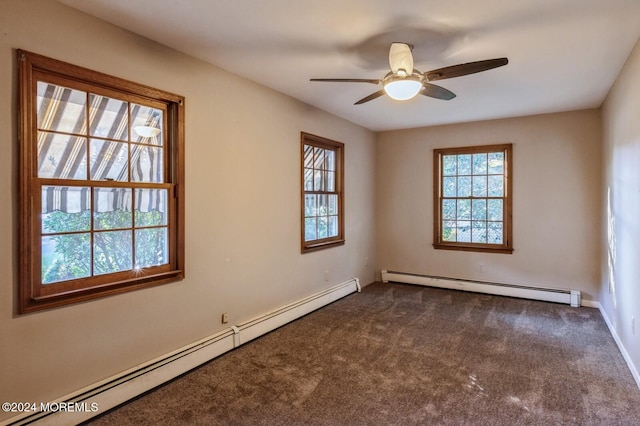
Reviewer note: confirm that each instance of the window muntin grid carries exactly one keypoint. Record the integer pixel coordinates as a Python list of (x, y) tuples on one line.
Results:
[(473, 198)]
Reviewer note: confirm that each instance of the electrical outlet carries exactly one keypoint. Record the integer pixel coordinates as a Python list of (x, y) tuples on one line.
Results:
[(225, 318), (327, 276), (633, 325)]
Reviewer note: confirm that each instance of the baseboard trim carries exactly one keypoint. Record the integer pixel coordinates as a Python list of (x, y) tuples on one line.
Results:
[(110, 393), (623, 350), (590, 304)]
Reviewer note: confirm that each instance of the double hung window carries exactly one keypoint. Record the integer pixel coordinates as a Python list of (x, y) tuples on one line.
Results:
[(473, 198), (322, 193), (101, 173)]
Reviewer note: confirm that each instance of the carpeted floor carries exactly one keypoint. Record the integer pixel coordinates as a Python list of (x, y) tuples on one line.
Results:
[(407, 355)]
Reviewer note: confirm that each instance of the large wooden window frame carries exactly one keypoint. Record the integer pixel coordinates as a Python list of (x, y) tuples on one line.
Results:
[(322, 180), (440, 241), (33, 293)]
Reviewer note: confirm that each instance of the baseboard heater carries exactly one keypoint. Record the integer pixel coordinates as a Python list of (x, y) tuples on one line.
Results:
[(256, 327), (569, 297), (107, 394)]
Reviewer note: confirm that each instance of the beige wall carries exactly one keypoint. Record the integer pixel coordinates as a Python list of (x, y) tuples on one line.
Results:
[(620, 290), (242, 251), (242, 211), (556, 201)]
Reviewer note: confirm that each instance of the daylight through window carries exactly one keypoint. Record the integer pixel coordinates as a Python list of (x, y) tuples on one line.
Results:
[(472, 198), (322, 210), (102, 161)]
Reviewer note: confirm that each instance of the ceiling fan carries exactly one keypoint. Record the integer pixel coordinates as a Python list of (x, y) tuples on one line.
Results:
[(404, 82)]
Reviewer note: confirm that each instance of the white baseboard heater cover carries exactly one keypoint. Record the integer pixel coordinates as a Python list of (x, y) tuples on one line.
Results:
[(118, 389), (256, 327), (569, 297)]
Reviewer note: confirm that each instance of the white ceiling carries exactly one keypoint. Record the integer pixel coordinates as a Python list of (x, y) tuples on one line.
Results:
[(563, 54)]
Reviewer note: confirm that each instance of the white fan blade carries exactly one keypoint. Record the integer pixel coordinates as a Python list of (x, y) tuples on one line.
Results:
[(400, 57)]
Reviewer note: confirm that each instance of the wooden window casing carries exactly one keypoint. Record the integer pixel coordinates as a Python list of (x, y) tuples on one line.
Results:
[(98, 169), (322, 205), (473, 195)]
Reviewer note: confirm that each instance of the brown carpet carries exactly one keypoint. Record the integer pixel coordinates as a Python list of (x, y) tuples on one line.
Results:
[(406, 355)]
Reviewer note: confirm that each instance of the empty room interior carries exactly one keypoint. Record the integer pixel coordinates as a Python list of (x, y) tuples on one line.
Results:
[(176, 189)]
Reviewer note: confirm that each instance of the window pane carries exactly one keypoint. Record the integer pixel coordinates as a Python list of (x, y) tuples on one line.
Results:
[(310, 205), (494, 233), (480, 186), (310, 229), (109, 117), (318, 161), (152, 247), (448, 209), (147, 164), (479, 209), (464, 231), (61, 156), (496, 163), (464, 164), (449, 165), (464, 210), (65, 209), (61, 109), (479, 164), (333, 204), (331, 181), (331, 159), (146, 123), (318, 180), (111, 208), (479, 232), (325, 180), (464, 186), (449, 231), (323, 207), (449, 187), (308, 179), (151, 207), (308, 156), (109, 160), (322, 227), (65, 257), (494, 209), (496, 186), (332, 229), (112, 252)]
